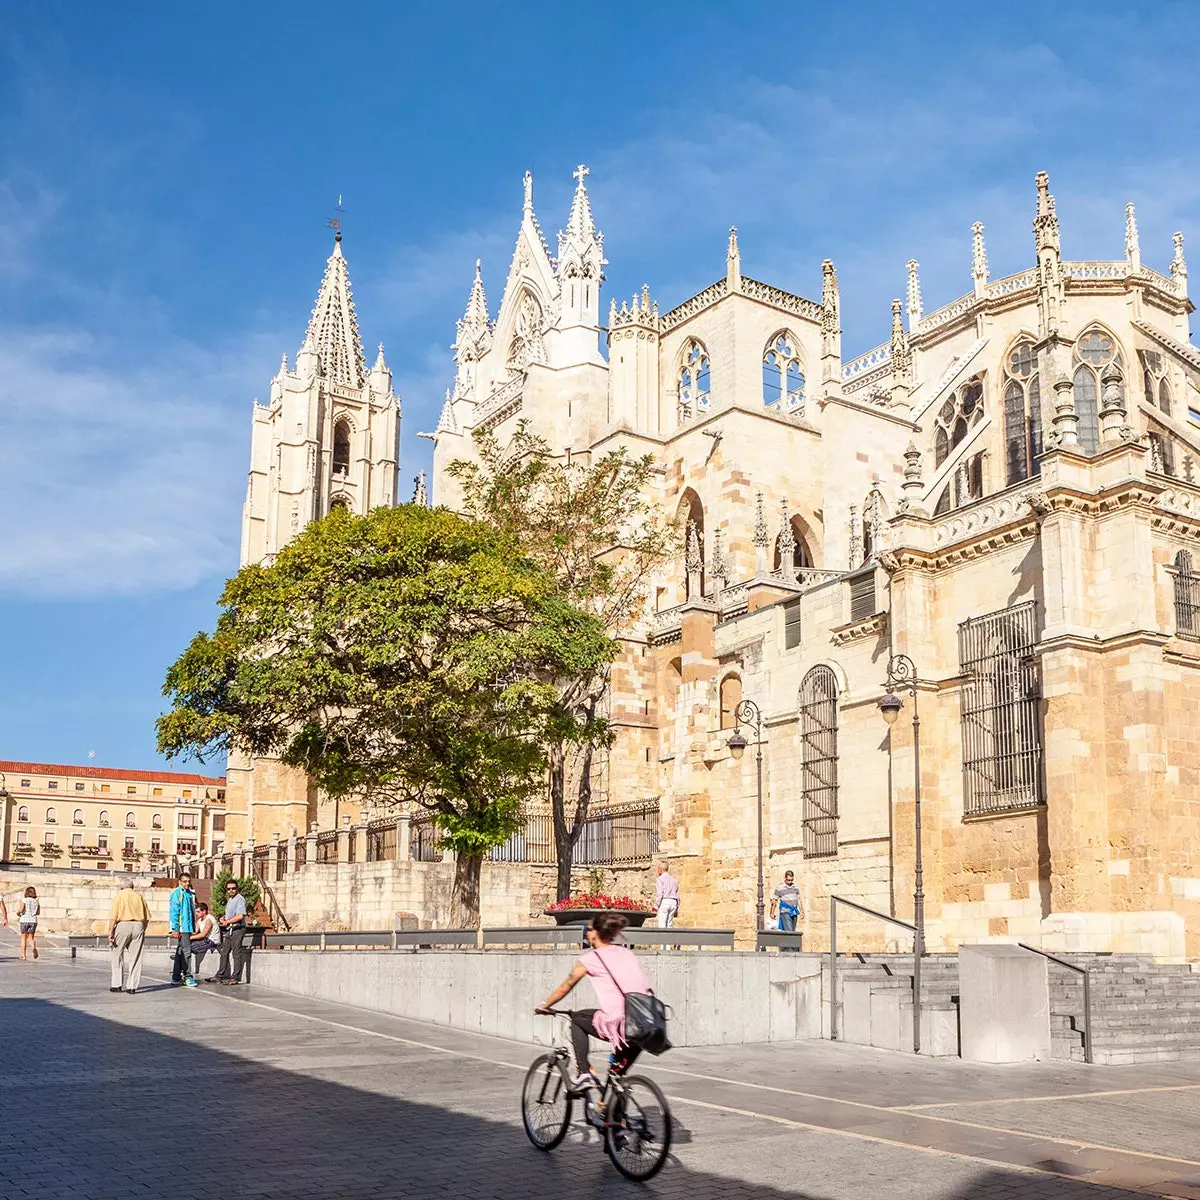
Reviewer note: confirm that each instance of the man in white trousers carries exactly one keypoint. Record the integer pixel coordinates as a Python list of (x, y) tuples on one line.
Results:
[(127, 921), (666, 896)]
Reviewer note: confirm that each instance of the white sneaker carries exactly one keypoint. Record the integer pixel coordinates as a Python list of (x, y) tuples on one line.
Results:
[(583, 1081)]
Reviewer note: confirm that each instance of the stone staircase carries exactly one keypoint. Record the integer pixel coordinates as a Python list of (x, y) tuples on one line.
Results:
[(1142, 1011)]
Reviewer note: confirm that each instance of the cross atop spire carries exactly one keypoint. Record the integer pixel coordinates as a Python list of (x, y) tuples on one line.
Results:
[(580, 224), (580, 173), (333, 328)]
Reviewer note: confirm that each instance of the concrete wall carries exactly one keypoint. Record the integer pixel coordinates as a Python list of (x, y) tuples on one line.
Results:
[(78, 901), (717, 998)]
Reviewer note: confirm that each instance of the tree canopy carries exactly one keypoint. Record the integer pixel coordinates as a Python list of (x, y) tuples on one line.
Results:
[(408, 655)]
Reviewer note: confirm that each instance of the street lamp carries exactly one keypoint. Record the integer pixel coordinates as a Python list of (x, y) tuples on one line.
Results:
[(901, 677), (748, 713)]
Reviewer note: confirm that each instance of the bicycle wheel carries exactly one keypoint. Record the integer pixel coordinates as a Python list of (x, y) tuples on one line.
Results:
[(545, 1103), (637, 1131)]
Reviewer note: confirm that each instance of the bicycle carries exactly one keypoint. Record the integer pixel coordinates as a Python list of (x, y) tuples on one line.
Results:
[(631, 1110)]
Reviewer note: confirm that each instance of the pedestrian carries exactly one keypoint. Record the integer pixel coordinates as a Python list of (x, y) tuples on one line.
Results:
[(786, 898), (666, 896), (27, 916), (3, 913), (233, 924), (208, 935), (127, 921), (182, 926)]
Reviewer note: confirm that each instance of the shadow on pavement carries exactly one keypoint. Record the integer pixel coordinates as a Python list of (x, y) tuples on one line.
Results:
[(126, 1112)]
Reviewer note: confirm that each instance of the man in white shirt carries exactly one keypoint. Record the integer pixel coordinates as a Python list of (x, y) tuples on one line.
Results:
[(666, 896)]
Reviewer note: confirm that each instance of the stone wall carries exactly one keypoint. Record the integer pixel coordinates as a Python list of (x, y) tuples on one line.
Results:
[(78, 901)]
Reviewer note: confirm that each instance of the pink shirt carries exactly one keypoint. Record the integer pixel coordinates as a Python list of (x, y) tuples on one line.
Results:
[(627, 973), (667, 888)]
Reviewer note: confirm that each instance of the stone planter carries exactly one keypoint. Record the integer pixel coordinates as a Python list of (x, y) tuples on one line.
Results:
[(583, 916)]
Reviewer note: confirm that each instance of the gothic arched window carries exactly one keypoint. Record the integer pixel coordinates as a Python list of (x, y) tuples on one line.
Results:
[(341, 447), (783, 378), (341, 500), (1022, 413), (960, 412), (694, 384), (731, 697), (1093, 352), (1154, 380), (819, 761)]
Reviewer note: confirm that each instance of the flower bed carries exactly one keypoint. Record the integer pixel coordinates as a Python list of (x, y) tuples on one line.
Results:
[(580, 910)]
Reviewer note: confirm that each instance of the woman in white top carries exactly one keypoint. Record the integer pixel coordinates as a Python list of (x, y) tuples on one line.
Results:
[(27, 916)]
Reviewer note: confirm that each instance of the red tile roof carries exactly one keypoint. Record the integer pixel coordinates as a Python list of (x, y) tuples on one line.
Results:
[(30, 768)]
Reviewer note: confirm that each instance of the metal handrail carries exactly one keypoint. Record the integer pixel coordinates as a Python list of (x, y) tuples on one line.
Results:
[(1087, 994), (276, 912), (834, 901)]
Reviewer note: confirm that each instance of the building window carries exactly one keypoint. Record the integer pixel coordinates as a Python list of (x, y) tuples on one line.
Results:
[(187, 846), (694, 385), (77, 839), (220, 793), (1187, 598), (819, 761), (965, 486), (129, 843), (801, 556), (1093, 352), (960, 412), (51, 816), (1154, 381), (104, 787), (862, 595), (24, 782), (158, 791), (79, 787), (104, 818), (791, 626), (188, 820), (782, 377), (731, 697), (23, 813), (187, 793), (527, 345), (341, 448), (218, 820), (130, 820), (22, 837), (1022, 413), (48, 839), (156, 845), (77, 817), (156, 821), (131, 790), (53, 785), (1001, 711), (102, 842)]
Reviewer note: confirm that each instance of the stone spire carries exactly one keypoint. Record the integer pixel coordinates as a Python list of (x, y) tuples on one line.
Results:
[(446, 422), (787, 545), (979, 263), (831, 327), (579, 272), (1179, 266), (719, 571), (580, 224), (694, 563), (1133, 250), (761, 539), (420, 495), (1050, 280), (914, 294), (333, 328), (733, 262), (901, 352)]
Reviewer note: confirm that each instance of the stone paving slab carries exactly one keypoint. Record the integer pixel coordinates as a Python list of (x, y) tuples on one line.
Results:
[(311, 1099)]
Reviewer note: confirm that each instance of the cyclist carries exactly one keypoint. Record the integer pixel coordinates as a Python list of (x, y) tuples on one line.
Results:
[(614, 970)]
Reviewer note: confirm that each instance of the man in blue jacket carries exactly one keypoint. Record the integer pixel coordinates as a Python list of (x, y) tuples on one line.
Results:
[(183, 925)]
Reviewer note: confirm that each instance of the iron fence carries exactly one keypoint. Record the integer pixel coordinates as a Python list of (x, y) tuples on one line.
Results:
[(281, 864), (327, 846), (618, 836), (382, 840), (424, 842)]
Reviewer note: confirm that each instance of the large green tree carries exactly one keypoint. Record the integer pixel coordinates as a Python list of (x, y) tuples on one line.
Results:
[(410, 655), (594, 527)]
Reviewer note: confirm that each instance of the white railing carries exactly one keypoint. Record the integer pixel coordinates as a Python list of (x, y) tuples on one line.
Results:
[(689, 308), (943, 316), (778, 298), (867, 362), (1095, 270), (500, 397), (1011, 283)]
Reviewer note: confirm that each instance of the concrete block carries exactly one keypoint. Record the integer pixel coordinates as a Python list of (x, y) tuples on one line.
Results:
[(1004, 1004), (756, 997), (887, 1028), (855, 1024), (939, 1033)]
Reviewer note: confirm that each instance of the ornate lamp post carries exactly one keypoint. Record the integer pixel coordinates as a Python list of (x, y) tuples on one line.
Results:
[(902, 676), (748, 713)]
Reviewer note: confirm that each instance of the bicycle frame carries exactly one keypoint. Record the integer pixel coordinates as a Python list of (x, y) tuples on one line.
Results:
[(561, 1052)]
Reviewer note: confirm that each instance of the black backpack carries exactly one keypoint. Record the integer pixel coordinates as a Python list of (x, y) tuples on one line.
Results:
[(645, 1017)]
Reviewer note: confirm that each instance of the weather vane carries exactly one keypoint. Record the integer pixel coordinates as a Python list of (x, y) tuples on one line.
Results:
[(335, 222)]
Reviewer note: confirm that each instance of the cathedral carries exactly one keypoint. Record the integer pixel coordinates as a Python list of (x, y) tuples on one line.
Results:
[(989, 521)]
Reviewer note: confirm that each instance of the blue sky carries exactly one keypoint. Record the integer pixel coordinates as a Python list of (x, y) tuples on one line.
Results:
[(166, 173)]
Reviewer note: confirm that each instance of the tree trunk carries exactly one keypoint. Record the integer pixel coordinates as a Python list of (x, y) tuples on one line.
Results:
[(464, 904), (564, 843)]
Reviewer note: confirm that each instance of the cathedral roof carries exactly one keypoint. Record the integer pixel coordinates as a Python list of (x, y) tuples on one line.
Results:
[(333, 327)]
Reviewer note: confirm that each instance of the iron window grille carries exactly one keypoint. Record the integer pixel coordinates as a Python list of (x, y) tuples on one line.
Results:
[(1001, 712), (1187, 598), (819, 761)]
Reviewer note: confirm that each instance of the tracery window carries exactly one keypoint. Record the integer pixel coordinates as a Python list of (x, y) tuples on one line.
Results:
[(1000, 711), (819, 761), (1154, 380), (526, 346), (783, 378), (961, 411), (1093, 352), (1022, 413), (1187, 598), (341, 448), (694, 383)]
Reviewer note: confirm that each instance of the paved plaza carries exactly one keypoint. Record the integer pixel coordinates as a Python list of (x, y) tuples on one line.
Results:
[(256, 1094)]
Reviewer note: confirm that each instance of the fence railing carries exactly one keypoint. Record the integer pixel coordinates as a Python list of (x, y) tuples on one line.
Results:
[(1087, 995), (327, 846), (532, 936)]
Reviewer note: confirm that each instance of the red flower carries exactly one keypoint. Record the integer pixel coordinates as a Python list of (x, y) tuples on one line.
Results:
[(623, 903)]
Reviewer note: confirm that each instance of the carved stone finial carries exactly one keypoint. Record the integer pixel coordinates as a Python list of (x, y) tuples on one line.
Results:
[(1045, 221), (720, 568), (875, 519), (1156, 455), (761, 537), (901, 353), (855, 551), (1112, 404), (912, 471), (1050, 287), (831, 328), (694, 563), (420, 495), (528, 206), (1189, 469), (733, 261), (787, 544), (1133, 250), (979, 262), (645, 297), (914, 294), (283, 364), (1179, 266), (1066, 419)]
